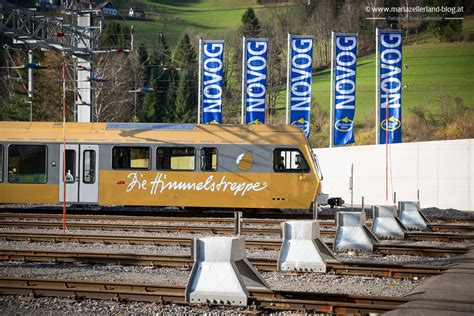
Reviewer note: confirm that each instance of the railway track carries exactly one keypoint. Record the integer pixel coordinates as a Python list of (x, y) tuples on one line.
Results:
[(437, 227), (259, 300), (136, 214), (413, 250), (186, 262), (187, 228)]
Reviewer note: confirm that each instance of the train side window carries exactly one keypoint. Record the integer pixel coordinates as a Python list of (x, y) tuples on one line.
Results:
[(175, 158), (27, 163), (1, 163), (89, 167), (209, 159), (289, 160), (126, 157)]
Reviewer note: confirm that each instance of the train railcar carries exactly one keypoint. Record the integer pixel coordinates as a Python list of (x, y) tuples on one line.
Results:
[(183, 165)]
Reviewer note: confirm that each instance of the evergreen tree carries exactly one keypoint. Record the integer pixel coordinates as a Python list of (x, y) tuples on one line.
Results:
[(142, 81), (184, 99), (446, 30), (122, 36), (338, 5), (182, 95), (160, 58), (392, 17), (250, 27), (142, 54), (250, 24), (143, 60), (185, 54), (159, 63), (15, 111), (104, 39), (170, 108), (113, 35), (147, 113), (161, 54)]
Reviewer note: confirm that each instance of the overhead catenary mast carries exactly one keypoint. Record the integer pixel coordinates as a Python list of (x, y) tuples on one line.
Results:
[(73, 34)]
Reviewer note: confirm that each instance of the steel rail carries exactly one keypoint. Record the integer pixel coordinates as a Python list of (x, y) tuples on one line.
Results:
[(438, 227), (186, 262), (452, 227), (187, 228), (157, 213), (263, 300), (400, 249)]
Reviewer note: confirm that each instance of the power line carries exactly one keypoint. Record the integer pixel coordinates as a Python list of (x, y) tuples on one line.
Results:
[(228, 7), (409, 88)]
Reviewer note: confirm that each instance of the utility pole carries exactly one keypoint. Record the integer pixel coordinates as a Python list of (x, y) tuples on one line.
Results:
[(84, 65), (30, 82)]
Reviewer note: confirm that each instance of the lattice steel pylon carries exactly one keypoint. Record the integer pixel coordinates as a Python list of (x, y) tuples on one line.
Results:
[(73, 34)]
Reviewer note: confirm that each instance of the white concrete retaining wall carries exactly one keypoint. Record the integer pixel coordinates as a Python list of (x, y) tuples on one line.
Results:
[(443, 171)]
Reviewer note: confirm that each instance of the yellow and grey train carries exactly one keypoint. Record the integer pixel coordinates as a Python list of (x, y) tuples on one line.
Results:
[(181, 165)]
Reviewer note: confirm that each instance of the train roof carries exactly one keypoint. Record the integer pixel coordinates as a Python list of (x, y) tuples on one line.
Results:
[(52, 132)]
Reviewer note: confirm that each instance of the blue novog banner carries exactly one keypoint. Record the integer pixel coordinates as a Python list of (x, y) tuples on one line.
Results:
[(255, 80), (301, 60), (344, 87), (390, 83), (212, 65)]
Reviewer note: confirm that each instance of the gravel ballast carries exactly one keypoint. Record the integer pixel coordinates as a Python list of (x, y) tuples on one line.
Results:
[(21, 305), (309, 282), (186, 251)]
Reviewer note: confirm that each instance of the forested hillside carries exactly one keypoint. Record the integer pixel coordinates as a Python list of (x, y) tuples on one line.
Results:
[(157, 81)]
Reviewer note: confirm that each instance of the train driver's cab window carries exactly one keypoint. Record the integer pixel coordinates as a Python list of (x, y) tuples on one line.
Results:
[(175, 158), (27, 164), (289, 160), (89, 167), (126, 157), (1, 163), (209, 159)]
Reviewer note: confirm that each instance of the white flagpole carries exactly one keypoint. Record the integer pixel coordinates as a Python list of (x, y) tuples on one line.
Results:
[(331, 97), (288, 81), (200, 82), (244, 70), (377, 107)]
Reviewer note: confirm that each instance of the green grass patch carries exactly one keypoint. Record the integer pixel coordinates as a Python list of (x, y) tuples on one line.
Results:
[(434, 70), (444, 68), (210, 19)]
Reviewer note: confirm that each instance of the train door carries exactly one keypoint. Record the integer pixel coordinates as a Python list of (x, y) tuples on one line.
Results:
[(71, 176), (88, 174), (81, 174)]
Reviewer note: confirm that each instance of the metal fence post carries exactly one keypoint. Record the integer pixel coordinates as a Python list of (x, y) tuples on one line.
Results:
[(237, 223)]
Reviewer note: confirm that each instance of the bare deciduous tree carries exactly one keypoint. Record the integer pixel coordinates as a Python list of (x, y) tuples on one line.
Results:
[(115, 97)]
